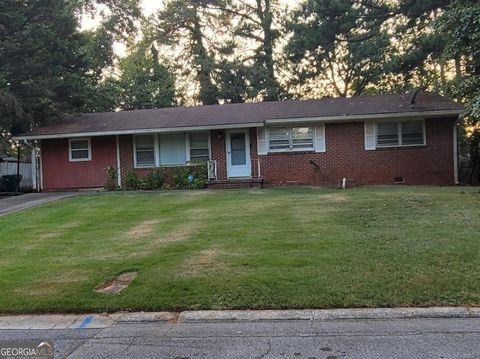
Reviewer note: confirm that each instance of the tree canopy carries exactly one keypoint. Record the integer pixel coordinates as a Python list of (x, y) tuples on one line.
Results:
[(223, 51)]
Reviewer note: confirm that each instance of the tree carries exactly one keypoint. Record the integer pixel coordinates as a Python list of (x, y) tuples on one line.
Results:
[(258, 24), (41, 63), (338, 43), (47, 66), (460, 25), (144, 81), (182, 24)]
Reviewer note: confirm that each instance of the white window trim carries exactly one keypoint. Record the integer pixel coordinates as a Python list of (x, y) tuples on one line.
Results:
[(399, 131), (155, 152), (89, 158), (304, 149), (188, 148), (156, 149)]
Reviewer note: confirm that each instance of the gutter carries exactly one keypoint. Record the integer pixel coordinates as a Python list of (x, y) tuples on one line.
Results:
[(139, 131), (343, 118), (455, 151)]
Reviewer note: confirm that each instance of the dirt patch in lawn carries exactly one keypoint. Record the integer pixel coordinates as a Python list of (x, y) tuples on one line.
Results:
[(69, 225), (208, 258), (118, 284), (333, 197), (182, 233), (143, 229), (193, 212), (49, 235)]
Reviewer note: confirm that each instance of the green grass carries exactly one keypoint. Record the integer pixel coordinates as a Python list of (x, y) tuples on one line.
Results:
[(258, 249)]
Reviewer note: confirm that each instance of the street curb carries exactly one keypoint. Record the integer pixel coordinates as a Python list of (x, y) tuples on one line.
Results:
[(100, 321), (328, 314)]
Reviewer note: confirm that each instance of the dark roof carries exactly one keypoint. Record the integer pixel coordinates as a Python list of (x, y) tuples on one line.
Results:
[(244, 114)]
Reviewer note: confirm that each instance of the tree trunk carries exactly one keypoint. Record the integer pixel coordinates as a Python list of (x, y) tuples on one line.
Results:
[(208, 91), (271, 85), (458, 68)]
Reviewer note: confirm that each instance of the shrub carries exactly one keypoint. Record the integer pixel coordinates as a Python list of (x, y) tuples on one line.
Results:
[(111, 180), (191, 177), (132, 181), (154, 179)]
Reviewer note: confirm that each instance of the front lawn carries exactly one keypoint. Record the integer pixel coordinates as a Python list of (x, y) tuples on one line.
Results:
[(258, 249)]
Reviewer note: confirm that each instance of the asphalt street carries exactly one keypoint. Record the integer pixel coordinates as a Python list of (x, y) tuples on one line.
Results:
[(401, 338)]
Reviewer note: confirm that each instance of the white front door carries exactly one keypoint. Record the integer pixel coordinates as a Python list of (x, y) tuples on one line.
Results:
[(238, 153)]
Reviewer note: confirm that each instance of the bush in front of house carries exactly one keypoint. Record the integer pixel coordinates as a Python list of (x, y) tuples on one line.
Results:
[(111, 181), (188, 177), (154, 180), (191, 177), (132, 181)]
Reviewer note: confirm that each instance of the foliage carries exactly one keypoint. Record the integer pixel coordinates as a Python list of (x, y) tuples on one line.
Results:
[(182, 23), (133, 182), (461, 26), (111, 180), (48, 67), (154, 180), (41, 63), (198, 174), (338, 42), (144, 81)]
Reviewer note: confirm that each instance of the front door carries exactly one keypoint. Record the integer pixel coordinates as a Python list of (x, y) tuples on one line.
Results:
[(238, 154)]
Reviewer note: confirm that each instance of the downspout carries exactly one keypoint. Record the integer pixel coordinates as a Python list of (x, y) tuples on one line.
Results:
[(18, 167), (455, 151), (119, 172)]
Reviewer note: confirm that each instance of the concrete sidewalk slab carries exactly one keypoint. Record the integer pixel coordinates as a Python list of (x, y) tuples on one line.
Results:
[(44, 321), (100, 321), (92, 321)]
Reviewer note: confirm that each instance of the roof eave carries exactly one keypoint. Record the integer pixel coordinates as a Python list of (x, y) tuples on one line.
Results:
[(343, 118)]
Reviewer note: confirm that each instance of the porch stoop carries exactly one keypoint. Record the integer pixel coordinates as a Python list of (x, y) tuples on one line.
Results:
[(236, 183)]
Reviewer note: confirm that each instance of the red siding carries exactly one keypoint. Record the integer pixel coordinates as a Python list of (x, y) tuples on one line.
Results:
[(59, 173)]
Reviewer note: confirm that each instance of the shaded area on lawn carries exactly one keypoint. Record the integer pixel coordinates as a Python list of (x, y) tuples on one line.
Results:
[(270, 248)]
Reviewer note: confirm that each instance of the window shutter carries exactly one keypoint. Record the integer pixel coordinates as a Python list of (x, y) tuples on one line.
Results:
[(320, 138), (369, 135), (262, 148)]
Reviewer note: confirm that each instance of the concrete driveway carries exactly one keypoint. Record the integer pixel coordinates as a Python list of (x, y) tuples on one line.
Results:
[(17, 203)]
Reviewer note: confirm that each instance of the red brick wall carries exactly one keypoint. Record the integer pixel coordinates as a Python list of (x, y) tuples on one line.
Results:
[(218, 150), (59, 173), (346, 157)]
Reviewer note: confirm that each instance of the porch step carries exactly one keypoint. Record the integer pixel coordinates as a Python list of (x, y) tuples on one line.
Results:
[(236, 183)]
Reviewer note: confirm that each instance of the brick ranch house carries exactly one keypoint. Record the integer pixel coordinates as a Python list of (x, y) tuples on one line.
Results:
[(380, 139)]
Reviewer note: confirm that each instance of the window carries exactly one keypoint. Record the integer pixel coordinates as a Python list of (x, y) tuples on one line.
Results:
[(290, 138), (387, 134), (79, 149), (172, 149), (412, 133), (403, 133), (199, 149), (302, 137), (145, 151), (279, 138)]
